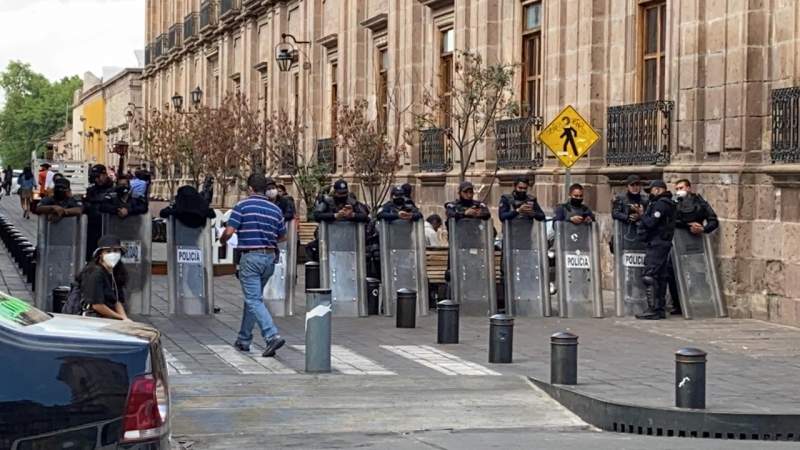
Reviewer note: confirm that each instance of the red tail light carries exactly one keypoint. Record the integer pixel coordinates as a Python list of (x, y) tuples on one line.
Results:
[(146, 413)]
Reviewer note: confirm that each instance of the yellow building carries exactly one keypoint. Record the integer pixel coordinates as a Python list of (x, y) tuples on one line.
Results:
[(94, 139)]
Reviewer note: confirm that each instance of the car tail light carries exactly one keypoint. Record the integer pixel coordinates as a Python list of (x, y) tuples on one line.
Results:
[(147, 410)]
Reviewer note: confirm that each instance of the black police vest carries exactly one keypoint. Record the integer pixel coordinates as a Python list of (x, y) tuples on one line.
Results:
[(690, 209)]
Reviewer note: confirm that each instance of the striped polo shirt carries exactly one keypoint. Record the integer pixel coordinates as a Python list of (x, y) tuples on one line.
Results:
[(258, 223)]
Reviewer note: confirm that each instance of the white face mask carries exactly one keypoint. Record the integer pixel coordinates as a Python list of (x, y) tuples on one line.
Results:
[(111, 259), (272, 193), (681, 194)]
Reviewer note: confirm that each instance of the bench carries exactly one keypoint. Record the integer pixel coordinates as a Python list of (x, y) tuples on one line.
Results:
[(305, 232), (436, 264)]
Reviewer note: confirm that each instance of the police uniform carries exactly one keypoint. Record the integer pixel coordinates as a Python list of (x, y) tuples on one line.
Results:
[(390, 210), (657, 227), (326, 208), (457, 209), (570, 209), (509, 203)]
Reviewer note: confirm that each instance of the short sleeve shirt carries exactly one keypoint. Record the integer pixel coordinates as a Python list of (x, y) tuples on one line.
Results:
[(67, 203), (258, 223), (99, 287)]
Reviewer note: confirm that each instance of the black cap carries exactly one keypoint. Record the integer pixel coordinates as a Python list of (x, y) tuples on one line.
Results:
[(632, 179), (465, 185), (398, 191), (108, 241), (658, 184), (340, 187), (406, 189), (61, 182), (98, 169)]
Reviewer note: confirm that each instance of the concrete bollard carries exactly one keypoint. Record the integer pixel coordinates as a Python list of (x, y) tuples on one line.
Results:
[(312, 275), (501, 339), (406, 308), (60, 295), (318, 330), (690, 378), (563, 358), (447, 312)]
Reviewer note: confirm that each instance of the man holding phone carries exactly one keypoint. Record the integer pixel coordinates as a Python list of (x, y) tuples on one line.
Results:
[(465, 206), (342, 205), (520, 203), (575, 210)]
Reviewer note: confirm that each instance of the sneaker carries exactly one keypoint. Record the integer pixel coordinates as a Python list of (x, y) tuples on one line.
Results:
[(651, 315), (272, 346), (241, 347)]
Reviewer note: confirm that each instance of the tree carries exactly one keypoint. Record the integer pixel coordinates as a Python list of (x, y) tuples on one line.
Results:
[(35, 109), (373, 156), (165, 138), (481, 93)]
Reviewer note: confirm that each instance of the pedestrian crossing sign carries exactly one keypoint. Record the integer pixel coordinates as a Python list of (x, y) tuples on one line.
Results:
[(569, 136)]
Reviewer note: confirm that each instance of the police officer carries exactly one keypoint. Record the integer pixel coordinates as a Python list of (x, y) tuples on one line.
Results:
[(574, 210), (694, 214), (121, 202), (399, 208), (101, 185), (285, 202), (61, 204), (465, 206), (342, 205), (657, 227), (628, 207), (520, 203)]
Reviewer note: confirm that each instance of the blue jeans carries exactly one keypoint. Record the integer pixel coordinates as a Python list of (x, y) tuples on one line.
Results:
[(254, 272)]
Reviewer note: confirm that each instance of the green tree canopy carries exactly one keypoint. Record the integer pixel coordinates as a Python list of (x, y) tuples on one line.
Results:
[(35, 109)]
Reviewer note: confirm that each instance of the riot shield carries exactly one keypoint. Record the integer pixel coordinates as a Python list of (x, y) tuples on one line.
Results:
[(472, 271), (696, 274), (135, 233), (61, 252), (343, 266), (279, 292), (629, 291), (578, 267), (190, 269), (403, 263), (525, 267)]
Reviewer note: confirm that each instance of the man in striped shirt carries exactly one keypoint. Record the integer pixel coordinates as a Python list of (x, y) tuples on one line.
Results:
[(259, 226)]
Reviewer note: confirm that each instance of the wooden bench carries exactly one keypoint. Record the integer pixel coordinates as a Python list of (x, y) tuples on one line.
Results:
[(436, 264), (305, 232)]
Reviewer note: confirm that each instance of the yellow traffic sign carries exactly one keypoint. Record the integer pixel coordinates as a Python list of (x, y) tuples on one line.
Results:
[(569, 136)]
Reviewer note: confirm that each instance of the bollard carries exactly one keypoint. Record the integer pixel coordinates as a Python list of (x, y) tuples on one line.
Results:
[(318, 330), (406, 308), (501, 338), (23, 252), (447, 317), (312, 275), (690, 378), (373, 299), (27, 267), (563, 358), (60, 295)]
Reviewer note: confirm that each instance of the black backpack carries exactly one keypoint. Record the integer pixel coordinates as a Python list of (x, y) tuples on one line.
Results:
[(74, 303)]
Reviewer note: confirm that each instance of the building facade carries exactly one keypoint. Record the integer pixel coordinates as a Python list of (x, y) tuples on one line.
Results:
[(676, 88)]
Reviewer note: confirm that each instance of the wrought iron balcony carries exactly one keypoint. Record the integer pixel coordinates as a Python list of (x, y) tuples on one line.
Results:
[(229, 8), (786, 125), (190, 27), (147, 56), (326, 153), (516, 145), (434, 154), (158, 46), (175, 37), (208, 15), (639, 134)]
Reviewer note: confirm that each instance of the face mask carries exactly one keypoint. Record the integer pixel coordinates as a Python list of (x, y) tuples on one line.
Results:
[(681, 194), (111, 259), (272, 193), (60, 194), (520, 195), (340, 200), (399, 201), (576, 201), (122, 190)]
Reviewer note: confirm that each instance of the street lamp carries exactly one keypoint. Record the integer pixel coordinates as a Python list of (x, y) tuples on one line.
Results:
[(286, 54), (177, 102), (197, 95)]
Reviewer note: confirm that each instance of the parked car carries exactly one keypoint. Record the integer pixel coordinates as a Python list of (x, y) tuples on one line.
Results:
[(80, 383)]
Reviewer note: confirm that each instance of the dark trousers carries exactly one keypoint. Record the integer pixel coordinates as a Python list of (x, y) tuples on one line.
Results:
[(674, 294), (656, 266)]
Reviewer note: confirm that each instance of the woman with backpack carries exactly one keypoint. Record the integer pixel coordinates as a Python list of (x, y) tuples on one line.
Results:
[(27, 183), (102, 281)]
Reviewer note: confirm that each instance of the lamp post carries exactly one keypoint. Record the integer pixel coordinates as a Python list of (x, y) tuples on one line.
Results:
[(286, 53), (121, 149), (177, 102)]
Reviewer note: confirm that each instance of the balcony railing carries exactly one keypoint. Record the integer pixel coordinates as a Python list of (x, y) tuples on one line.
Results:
[(639, 134), (326, 153), (190, 27), (147, 55), (158, 47), (175, 36), (786, 125), (208, 15), (229, 8), (434, 155), (515, 145)]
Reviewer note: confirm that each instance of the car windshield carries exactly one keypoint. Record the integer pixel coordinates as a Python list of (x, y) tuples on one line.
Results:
[(17, 313)]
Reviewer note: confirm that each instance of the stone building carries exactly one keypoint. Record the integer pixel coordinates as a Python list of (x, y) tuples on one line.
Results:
[(676, 88)]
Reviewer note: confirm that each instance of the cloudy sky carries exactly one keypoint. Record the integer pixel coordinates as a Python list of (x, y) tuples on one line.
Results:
[(69, 37)]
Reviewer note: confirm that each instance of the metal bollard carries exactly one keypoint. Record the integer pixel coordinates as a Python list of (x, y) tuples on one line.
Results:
[(447, 312), (29, 255), (501, 338), (312, 275), (318, 330), (373, 299), (690, 378), (60, 295), (563, 358), (406, 308)]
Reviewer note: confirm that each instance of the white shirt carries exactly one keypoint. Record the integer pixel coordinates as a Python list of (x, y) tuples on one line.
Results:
[(431, 236), (48, 179), (232, 242)]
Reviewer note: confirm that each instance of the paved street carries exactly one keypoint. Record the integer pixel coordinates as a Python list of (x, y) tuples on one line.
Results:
[(395, 388)]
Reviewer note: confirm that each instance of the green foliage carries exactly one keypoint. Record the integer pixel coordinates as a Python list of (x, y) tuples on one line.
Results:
[(311, 180), (35, 109)]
